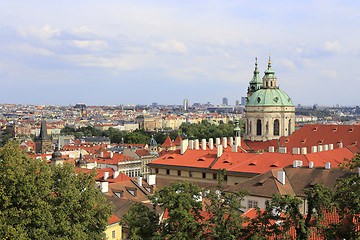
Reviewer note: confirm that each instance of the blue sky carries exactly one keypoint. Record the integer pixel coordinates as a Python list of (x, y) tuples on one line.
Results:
[(113, 52)]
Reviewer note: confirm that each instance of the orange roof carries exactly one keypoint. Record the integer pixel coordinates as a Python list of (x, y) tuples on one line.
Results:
[(113, 219), (178, 140), (167, 143)]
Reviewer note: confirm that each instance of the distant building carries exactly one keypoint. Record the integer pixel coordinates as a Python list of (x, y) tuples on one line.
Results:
[(186, 104), (225, 101), (243, 101), (237, 103), (43, 141)]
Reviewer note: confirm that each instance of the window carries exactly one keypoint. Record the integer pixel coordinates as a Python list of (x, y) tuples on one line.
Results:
[(289, 127), (203, 175), (252, 204), (214, 175), (258, 127), (276, 127), (179, 173), (156, 170), (167, 171), (119, 194), (114, 234), (190, 174)]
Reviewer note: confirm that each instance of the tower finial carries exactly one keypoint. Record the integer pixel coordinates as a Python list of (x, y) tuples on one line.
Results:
[(256, 62), (269, 58)]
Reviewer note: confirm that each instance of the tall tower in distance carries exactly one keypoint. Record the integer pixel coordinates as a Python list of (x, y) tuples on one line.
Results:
[(43, 142), (186, 104), (225, 101)]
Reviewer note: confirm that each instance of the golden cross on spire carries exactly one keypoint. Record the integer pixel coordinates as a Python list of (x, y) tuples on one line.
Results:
[(269, 58), (256, 61)]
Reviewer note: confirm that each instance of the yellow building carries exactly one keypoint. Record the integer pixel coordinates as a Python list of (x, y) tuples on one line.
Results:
[(113, 229)]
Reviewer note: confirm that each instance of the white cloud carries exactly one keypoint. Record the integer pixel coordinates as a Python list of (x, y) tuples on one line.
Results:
[(27, 48), (95, 45), (170, 46), (287, 63), (333, 46), (329, 74)]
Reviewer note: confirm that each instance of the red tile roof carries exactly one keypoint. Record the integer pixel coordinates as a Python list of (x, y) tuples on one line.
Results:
[(178, 140), (113, 219), (167, 143)]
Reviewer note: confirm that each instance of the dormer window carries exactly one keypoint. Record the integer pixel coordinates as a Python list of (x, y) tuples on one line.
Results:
[(351, 130), (201, 160), (258, 99)]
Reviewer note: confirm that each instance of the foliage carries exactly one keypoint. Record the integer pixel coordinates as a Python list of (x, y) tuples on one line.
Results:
[(142, 222), (283, 213), (314, 112), (224, 209), (41, 201), (181, 201), (206, 130), (6, 135)]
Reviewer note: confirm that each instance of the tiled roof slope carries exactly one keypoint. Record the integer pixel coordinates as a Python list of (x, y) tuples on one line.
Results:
[(314, 135), (167, 143)]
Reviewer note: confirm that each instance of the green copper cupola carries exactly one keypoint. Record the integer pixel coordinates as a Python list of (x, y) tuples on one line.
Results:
[(255, 83), (269, 79)]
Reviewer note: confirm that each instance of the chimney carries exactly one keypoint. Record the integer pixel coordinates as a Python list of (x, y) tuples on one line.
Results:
[(219, 150), (238, 141), (104, 186), (327, 165), (282, 149), (116, 174), (111, 154), (139, 181), (106, 175), (183, 146), (331, 146), (340, 145), (203, 144), (196, 144), (191, 144), (326, 147), (296, 150), (295, 164), (311, 165), (217, 141), (271, 149), (102, 154), (231, 141), (313, 149), (303, 150), (211, 144), (224, 142), (320, 148), (151, 179), (281, 177), (234, 148)]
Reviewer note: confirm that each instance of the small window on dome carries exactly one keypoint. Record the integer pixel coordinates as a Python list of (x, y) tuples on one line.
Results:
[(276, 99), (258, 99)]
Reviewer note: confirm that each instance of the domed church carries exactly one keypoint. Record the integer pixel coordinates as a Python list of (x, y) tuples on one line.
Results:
[(269, 111)]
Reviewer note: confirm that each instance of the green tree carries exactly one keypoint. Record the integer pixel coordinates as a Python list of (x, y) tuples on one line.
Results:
[(42, 201), (181, 201), (285, 209), (142, 222), (224, 211)]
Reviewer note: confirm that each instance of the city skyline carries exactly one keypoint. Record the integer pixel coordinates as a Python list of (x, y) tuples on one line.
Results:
[(138, 52)]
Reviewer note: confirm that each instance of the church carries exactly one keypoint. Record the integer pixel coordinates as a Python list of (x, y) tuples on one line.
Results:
[(269, 111)]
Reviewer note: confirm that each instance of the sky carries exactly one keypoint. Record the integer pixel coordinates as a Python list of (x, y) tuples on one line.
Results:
[(112, 52)]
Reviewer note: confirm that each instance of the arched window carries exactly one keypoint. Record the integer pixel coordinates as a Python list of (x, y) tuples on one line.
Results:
[(289, 127), (258, 127), (276, 127)]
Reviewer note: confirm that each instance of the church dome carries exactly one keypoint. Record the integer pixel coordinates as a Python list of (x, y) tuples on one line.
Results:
[(152, 142), (269, 97)]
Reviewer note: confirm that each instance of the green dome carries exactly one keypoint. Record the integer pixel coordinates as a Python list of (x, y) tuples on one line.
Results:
[(269, 97)]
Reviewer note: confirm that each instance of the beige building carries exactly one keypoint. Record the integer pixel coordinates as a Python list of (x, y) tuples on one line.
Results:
[(270, 113)]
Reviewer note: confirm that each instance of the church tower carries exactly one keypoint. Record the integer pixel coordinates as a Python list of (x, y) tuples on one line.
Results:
[(43, 142), (255, 83), (269, 111)]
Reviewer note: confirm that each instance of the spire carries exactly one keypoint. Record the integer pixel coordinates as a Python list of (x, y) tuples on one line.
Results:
[(237, 129), (255, 83), (43, 130), (269, 79)]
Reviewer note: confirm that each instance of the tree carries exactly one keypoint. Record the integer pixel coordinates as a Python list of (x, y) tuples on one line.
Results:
[(226, 220), (182, 202), (142, 222), (42, 201), (283, 213)]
